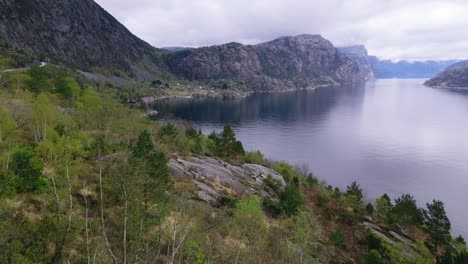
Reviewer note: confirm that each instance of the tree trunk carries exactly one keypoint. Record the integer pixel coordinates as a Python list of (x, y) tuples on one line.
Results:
[(104, 234), (86, 229), (125, 227)]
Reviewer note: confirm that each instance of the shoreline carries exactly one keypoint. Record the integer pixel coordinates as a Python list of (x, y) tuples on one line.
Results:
[(232, 95)]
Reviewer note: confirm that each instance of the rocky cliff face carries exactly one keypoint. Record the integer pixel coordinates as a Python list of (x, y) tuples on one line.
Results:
[(359, 54), (288, 62), (455, 76), (76, 32)]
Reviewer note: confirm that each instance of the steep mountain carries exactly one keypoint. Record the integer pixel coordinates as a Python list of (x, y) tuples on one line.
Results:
[(284, 63), (407, 69), (360, 55), (76, 32), (455, 76), (81, 34)]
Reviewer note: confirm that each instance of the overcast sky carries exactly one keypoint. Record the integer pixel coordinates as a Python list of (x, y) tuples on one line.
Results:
[(390, 29)]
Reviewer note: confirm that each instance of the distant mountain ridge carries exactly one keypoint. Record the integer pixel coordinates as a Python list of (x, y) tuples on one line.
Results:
[(455, 76), (407, 69), (81, 34), (175, 49), (401, 69), (284, 63)]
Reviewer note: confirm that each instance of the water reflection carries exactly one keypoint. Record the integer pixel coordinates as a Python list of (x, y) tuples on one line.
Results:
[(392, 136)]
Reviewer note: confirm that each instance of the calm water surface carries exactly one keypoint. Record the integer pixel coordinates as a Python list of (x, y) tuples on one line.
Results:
[(392, 136)]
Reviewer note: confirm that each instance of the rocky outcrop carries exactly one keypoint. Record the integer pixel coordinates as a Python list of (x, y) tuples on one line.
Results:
[(455, 76), (359, 54), (75, 32), (215, 178), (284, 63)]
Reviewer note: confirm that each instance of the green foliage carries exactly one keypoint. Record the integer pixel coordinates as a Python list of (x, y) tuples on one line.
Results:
[(38, 80), (192, 133), (195, 253), (7, 183), (406, 211), (461, 258), (67, 87), (249, 224), (373, 242), (459, 239), (27, 167), (291, 200), (337, 238), (228, 200), (355, 190), (374, 257), (255, 157), (24, 241), (91, 107), (286, 170), (383, 206), (144, 147), (370, 208), (7, 124), (306, 235), (169, 130), (437, 223), (156, 83), (274, 184), (226, 145)]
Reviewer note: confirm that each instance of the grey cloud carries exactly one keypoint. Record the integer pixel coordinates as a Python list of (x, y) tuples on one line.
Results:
[(391, 29)]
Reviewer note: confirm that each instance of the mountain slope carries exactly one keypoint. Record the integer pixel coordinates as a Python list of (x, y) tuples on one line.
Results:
[(284, 63), (455, 76), (76, 32), (360, 55)]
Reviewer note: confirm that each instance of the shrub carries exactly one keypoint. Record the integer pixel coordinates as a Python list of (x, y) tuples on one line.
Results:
[(27, 167), (228, 200), (274, 184), (322, 200), (337, 238), (169, 130), (291, 199), (272, 207), (255, 157), (370, 208), (373, 241), (288, 171), (374, 257), (311, 180)]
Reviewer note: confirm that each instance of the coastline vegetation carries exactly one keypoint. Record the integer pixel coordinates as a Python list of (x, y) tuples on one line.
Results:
[(85, 179)]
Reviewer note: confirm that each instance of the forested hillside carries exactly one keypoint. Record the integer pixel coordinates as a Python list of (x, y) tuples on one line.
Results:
[(84, 178)]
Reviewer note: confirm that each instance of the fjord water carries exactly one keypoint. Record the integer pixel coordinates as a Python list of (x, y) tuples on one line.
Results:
[(392, 136)]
